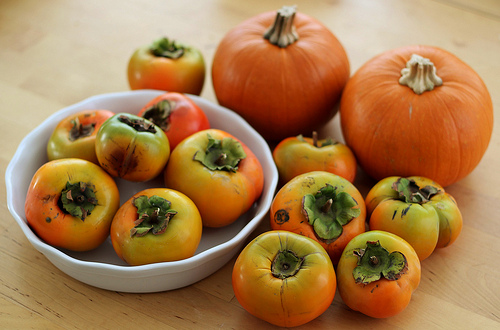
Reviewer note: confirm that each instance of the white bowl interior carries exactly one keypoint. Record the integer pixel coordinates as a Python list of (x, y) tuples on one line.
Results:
[(102, 267)]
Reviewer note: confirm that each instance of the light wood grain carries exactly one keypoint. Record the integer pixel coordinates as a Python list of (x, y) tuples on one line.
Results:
[(55, 53)]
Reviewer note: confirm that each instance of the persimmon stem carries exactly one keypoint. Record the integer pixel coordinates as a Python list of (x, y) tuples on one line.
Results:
[(282, 33), (328, 210), (164, 47), (139, 124), (376, 262), (220, 160), (410, 192), (153, 215), (420, 75), (315, 138), (327, 206), (78, 199), (80, 131), (221, 155), (286, 263), (159, 113)]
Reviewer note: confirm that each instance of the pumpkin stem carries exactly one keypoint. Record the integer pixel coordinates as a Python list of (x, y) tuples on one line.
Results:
[(282, 33), (420, 75)]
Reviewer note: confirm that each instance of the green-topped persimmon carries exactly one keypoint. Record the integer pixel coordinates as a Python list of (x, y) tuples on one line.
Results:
[(378, 273), (218, 172), (70, 204), (416, 209), (132, 148), (156, 225), (167, 65), (322, 206), (298, 155)]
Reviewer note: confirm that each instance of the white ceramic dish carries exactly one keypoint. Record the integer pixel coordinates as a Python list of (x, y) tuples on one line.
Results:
[(101, 267)]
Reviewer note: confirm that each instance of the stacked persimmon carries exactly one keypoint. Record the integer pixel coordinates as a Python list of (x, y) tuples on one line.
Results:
[(73, 201)]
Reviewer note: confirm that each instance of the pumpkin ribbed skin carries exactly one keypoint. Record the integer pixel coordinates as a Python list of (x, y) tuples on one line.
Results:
[(441, 134), (281, 92)]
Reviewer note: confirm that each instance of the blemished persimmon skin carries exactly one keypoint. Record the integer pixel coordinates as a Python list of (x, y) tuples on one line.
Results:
[(56, 226), (286, 209), (129, 152), (434, 224)]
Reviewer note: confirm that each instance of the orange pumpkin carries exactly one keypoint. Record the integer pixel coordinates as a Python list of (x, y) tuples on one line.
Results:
[(282, 71), (417, 110)]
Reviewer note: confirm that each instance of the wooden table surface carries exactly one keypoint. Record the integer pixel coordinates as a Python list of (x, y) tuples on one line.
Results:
[(55, 53)]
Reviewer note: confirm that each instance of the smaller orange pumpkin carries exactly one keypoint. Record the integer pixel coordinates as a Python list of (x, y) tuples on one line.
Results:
[(417, 111), (282, 71)]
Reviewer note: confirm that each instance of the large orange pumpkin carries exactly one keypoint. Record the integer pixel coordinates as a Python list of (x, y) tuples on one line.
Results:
[(417, 110), (282, 71)]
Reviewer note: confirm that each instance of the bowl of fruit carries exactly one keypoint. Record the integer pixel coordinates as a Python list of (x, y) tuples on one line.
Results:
[(107, 265)]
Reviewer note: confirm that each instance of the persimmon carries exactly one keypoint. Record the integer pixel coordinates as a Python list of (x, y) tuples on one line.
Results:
[(218, 172), (416, 209), (70, 204), (75, 135), (322, 206), (378, 273), (284, 278), (156, 225)]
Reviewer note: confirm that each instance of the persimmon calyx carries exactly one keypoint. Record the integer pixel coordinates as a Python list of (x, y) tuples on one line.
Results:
[(159, 114), (286, 263), (154, 214), (410, 192), (78, 130), (282, 32), (327, 142), (221, 155), (78, 199), (328, 211), (420, 75), (139, 124), (375, 262), (164, 47)]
